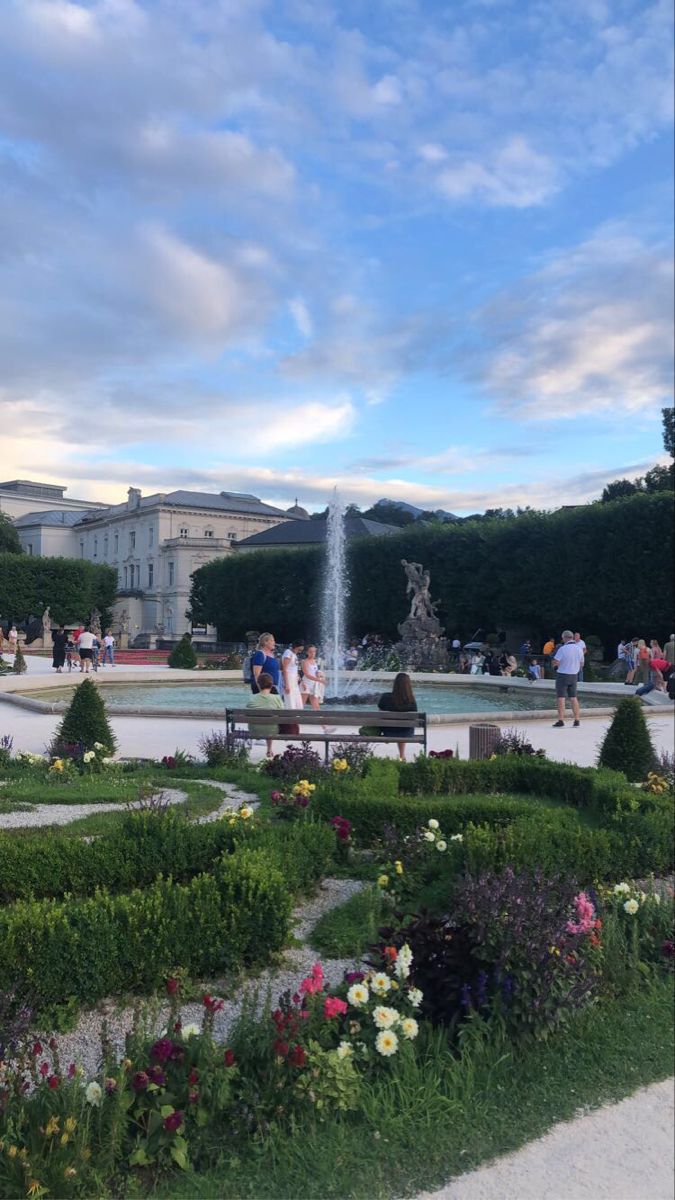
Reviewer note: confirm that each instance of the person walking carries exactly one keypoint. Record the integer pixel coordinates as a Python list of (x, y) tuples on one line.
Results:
[(568, 661), (108, 649), (401, 698), (85, 647), (264, 698), (313, 682), (59, 643), (290, 675), (644, 659), (13, 639), (264, 661)]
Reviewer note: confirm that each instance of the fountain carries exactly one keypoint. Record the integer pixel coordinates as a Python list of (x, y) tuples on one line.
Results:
[(335, 594), (422, 646)]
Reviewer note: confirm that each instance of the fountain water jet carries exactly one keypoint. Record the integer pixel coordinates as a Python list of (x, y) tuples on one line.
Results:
[(336, 590)]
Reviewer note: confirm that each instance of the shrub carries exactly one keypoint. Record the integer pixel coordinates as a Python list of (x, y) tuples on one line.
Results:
[(627, 745), (6, 744), (513, 741), (220, 751), (20, 665), (85, 721), (296, 762), (183, 655)]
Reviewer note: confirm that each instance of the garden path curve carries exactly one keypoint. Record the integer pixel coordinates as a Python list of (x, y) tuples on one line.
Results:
[(29, 815)]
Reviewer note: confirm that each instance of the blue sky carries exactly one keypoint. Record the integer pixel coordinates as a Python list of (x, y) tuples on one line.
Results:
[(420, 250)]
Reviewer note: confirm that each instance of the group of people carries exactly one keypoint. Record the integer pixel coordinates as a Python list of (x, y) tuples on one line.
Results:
[(81, 648), (292, 682), (648, 666)]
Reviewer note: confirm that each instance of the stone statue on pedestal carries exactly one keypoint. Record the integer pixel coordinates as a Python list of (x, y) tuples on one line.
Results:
[(422, 646), (95, 623), (46, 629)]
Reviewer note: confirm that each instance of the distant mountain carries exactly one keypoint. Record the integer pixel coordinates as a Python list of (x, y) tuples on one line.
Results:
[(416, 512)]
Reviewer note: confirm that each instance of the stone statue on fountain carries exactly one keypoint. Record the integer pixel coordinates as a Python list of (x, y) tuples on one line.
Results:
[(422, 646)]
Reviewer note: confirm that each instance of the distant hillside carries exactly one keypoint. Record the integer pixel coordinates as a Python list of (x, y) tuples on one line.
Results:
[(415, 512)]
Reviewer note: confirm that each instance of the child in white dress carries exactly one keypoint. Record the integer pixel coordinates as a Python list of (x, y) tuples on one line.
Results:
[(291, 676)]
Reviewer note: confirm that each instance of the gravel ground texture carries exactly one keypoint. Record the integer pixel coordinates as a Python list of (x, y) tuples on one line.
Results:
[(618, 1152), (62, 814)]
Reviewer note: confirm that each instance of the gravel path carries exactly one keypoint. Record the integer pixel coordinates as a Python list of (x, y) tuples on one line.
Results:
[(83, 1045), (619, 1152), (35, 815)]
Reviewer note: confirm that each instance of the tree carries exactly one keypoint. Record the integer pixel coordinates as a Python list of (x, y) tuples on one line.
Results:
[(617, 490), (85, 721), (9, 538), (668, 417), (627, 745), (660, 479), (183, 655), (70, 586), (20, 665)]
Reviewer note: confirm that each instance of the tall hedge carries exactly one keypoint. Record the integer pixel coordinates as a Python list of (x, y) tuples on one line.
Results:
[(71, 587), (598, 568)]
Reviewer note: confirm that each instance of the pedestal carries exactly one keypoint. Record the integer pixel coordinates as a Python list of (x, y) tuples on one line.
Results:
[(124, 641)]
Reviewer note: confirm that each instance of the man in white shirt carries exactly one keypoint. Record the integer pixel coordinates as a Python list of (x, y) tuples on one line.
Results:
[(568, 662), (85, 646)]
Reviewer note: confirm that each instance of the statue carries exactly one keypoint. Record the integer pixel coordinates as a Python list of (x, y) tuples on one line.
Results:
[(95, 623), (124, 621), (418, 581), (46, 628), (422, 646)]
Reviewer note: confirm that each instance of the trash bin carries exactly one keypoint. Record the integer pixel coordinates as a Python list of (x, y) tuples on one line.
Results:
[(482, 740)]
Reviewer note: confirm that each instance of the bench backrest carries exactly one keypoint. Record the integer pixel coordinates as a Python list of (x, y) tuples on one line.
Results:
[(328, 716)]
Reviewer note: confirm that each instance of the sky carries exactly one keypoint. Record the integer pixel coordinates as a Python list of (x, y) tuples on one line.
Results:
[(419, 250)]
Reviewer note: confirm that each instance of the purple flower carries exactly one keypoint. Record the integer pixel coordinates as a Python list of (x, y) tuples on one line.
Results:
[(162, 1050), (354, 977)]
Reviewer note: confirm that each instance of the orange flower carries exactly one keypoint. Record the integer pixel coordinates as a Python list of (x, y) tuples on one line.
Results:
[(391, 953)]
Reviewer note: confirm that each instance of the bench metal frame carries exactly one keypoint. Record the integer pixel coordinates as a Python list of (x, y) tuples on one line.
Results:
[(342, 719)]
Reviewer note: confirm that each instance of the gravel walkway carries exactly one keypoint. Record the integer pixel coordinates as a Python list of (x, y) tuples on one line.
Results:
[(35, 815), (619, 1152)]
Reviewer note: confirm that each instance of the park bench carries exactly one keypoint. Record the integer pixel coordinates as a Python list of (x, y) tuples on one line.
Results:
[(312, 724)]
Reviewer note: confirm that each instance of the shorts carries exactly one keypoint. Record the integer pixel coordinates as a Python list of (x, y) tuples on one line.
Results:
[(566, 685), (86, 653)]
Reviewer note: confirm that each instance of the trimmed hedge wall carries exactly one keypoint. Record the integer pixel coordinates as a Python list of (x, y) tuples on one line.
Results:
[(145, 846)]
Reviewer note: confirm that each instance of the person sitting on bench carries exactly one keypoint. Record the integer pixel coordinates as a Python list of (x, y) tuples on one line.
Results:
[(264, 699), (399, 699)]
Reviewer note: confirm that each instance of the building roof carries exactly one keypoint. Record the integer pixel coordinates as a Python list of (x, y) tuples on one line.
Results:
[(307, 533), (233, 502), (52, 517)]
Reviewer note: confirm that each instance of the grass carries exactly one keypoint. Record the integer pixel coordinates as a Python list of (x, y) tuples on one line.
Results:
[(347, 930), (201, 801), (445, 1115)]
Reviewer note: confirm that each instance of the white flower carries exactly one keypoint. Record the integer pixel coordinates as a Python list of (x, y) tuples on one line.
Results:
[(380, 983), (93, 1093), (655, 897), (621, 888), (107, 761), (99, 746), (344, 1050), (631, 906), (385, 1017), (415, 997), (409, 1028), (432, 823), (245, 813), (441, 845), (457, 837), (358, 994), (429, 836), (386, 1043), (403, 961), (87, 757), (190, 1030)]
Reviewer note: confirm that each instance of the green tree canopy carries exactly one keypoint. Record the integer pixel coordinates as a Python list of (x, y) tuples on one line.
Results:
[(70, 586), (9, 538)]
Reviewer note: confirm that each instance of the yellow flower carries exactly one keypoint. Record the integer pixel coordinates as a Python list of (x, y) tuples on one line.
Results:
[(52, 1126), (382, 881), (12, 1152), (70, 1124), (70, 1172), (65, 1138), (398, 866), (57, 765), (35, 1188), (245, 813)]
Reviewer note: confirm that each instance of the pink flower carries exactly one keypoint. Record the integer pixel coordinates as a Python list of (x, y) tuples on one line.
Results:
[(162, 1049), (229, 1058), (333, 1007), (173, 1122), (53, 1082), (314, 982), (44, 1069), (72, 1069)]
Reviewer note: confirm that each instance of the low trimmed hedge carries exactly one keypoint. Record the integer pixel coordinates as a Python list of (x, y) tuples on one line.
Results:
[(146, 845), (370, 814), (55, 950)]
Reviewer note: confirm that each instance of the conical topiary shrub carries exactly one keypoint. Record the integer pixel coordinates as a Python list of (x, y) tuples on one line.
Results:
[(627, 745), (20, 665), (183, 655), (85, 721)]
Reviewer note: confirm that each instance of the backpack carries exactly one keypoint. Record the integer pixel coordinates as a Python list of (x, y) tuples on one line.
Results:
[(247, 668)]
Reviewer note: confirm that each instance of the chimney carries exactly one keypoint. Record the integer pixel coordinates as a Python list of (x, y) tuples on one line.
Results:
[(133, 498)]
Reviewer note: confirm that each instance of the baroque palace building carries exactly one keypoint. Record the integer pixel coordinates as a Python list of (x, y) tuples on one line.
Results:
[(154, 543)]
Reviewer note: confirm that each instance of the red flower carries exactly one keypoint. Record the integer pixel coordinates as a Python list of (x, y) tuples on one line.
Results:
[(193, 1096), (297, 1056), (390, 953), (171, 986), (140, 1081), (52, 1043), (44, 1069), (173, 1122), (333, 1007), (53, 1082), (212, 1003), (281, 1047), (229, 1058), (162, 1049), (37, 1049), (72, 1070), (193, 1077), (157, 1075)]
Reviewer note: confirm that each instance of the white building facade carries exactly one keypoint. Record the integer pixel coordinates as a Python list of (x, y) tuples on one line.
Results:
[(154, 544)]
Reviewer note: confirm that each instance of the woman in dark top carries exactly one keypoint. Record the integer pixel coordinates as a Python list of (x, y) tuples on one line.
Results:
[(59, 641), (399, 699)]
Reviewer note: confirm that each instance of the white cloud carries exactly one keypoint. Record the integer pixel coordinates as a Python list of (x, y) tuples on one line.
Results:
[(591, 331), (301, 316), (516, 176), (387, 90)]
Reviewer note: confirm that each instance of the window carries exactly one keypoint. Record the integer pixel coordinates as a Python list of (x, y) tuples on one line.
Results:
[(29, 547), (231, 537), (81, 548), (117, 543), (171, 574), (105, 546), (95, 547), (132, 572), (126, 577), (151, 575), (151, 536), (132, 540), (208, 533), (184, 531)]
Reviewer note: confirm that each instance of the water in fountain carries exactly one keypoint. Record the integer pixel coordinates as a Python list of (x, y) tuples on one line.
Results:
[(335, 595)]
